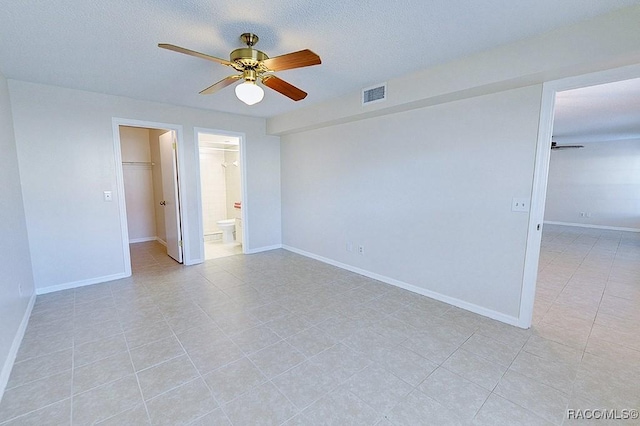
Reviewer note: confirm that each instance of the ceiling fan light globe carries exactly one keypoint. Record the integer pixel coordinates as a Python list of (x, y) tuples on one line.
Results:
[(249, 92)]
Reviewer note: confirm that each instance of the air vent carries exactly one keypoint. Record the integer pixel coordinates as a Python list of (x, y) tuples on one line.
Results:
[(373, 94)]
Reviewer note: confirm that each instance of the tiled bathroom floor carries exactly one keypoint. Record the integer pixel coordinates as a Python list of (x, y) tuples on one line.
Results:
[(276, 338), (217, 249)]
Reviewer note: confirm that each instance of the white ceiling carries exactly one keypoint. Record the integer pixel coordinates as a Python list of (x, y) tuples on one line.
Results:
[(109, 46), (605, 112)]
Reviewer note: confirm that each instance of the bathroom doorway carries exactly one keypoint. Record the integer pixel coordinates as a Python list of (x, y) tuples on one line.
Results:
[(221, 193)]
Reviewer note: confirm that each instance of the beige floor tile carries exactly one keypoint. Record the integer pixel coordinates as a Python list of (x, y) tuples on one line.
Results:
[(99, 349), (305, 383), (475, 368), (418, 407), (498, 411), (181, 405), (106, 401), (134, 416), (548, 349), (555, 373), (340, 407), (543, 400), (155, 353), (341, 330), (265, 403), (35, 395), (40, 367), (492, 350), (163, 377), (33, 345), (57, 414), (379, 388), (276, 359), (144, 335), (254, 339), (215, 418), (311, 341), (234, 379), (454, 392), (101, 372), (289, 325)]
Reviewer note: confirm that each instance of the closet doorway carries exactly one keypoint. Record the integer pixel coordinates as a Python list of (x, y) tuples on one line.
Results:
[(151, 199)]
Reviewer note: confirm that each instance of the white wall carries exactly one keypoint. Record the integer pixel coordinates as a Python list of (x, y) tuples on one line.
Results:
[(66, 135), (601, 179), (233, 183), (16, 278), (214, 190), (138, 183), (427, 192)]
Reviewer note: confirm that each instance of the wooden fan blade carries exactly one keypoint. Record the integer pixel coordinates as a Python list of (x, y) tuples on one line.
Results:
[(193, 53), (302, 58), (220, 84), (287, 89)]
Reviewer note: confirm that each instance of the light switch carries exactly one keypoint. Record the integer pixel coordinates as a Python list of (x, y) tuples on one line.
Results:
[(108, 196), (520, 205)]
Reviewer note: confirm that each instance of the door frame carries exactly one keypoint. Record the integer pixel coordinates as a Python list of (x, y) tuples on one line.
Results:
[(541, 174), (122, 207), (243, 183)]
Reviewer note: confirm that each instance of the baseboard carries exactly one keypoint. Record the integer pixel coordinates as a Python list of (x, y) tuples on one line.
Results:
[(586, 225), (163, 242), (499, 316), (142, 240), (261, 249), (13, 352), (81, 283)]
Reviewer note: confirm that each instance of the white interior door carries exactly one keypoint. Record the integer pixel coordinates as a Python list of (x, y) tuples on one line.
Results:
[(168, 164)]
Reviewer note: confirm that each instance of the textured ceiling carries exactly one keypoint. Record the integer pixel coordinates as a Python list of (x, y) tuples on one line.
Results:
[(109, 46), (598, 113)]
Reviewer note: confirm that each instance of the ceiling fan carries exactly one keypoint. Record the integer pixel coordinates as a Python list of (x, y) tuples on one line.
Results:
[(255, 65), (554, 145)]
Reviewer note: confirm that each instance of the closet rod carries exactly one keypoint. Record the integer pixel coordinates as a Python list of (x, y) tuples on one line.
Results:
[(139, 163)]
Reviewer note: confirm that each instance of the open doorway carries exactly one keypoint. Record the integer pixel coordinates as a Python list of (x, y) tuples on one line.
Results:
[(151, 211), (221, 191), (575, 236)]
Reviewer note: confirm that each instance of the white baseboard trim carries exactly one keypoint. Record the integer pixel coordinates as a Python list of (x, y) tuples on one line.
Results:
[(261, 249), (586, 225), (13, 352), (81, 283), (142, 240), (499, 316), (163, 242)]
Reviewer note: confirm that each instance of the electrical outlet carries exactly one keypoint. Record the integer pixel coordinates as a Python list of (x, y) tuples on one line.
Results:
[(361, 250), (107, 195), (588, 214), (583, 214), (520, 205)]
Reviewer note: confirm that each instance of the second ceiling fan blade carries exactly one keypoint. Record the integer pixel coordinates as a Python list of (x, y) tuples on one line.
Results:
[(299, 59), (287, 89), (220, 84), (193, 53)]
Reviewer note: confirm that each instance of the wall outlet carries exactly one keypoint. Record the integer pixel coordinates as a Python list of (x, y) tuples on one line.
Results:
[(107, 195), (361, 250), (588, 214), (349, 247), (583, 214), (520, 205)]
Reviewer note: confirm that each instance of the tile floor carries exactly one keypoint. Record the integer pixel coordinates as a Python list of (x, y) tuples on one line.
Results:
[(276, 338), (216, 249)]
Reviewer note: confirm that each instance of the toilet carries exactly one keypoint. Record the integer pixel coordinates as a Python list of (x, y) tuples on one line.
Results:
[(227, 227)]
